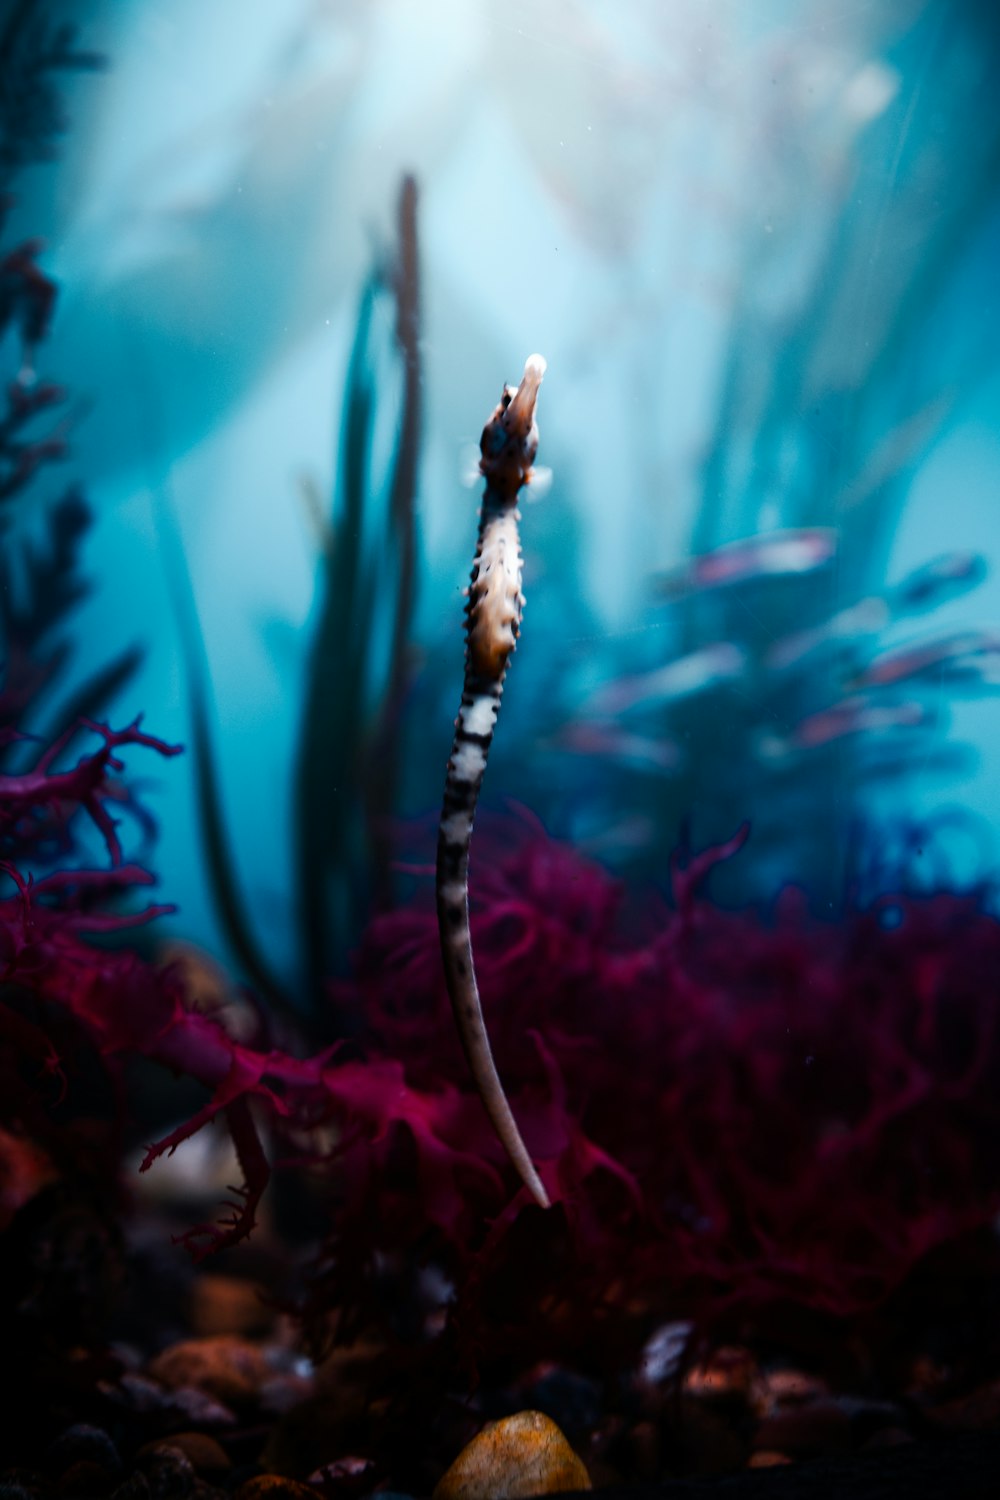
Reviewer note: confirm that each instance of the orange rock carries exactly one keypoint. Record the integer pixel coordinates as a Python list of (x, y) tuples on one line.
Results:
[(228, 1368), (726, 1377), (522, 1455), (204, 1453), (788, 1387), (274, 1487), (226, 1304)]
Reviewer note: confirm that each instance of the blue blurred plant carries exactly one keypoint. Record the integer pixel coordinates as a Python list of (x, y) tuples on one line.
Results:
[(352, 735), (758, 693), (753, 694)]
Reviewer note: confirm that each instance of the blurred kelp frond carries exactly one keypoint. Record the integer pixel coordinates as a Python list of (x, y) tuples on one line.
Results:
[(793, 728), (35, 46), (840, 373), (848, 354), (351, 737), (351, 740), (233, 915)]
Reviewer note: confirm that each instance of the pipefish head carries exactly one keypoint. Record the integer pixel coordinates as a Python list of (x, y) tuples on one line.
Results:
[(510, 438)]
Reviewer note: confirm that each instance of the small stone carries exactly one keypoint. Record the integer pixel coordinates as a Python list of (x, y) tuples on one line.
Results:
[(82, 1443), (199, 1408), (660, 1361), (726, 1378), (205, 1454), (136, 1393), (274, 1487), (229, 1368), (135, 1487), (522, 1455), (168, 1471), (782, 1388), (767, 1458), (345, 1476)]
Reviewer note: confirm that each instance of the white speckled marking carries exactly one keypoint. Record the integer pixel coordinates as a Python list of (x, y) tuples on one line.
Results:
[(468, 762), (457, 827), (480, 717)]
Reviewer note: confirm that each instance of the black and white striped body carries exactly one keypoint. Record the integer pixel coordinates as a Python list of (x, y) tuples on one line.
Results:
[(493, 617)]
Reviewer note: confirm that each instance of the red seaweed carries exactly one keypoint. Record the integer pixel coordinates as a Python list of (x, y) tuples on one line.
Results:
[(734, 1112)]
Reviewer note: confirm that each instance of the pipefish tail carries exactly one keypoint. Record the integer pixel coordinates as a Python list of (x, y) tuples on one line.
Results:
[(492, 624)]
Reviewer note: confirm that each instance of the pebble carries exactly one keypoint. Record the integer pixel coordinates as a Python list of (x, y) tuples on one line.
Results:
[(169, 1472), (135, 1487), (137, 1393), (522, 1455), (229, 1368), (274, 1487), (83, 1443), (205, 1455), (345, 1476), (660, 1361), (199, 1408), (727, 1378), (781, 1388)]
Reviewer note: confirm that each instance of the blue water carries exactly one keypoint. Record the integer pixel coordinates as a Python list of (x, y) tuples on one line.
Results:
[(758, 248)]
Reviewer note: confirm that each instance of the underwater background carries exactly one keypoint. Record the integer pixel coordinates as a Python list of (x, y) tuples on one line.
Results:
[(263, 274), (758, 248)]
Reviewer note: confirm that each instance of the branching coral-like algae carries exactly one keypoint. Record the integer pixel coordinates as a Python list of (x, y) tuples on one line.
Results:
[(493, 618)]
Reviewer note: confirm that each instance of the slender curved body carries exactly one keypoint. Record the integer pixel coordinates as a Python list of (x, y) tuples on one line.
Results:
[(493, 618)]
